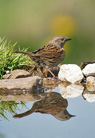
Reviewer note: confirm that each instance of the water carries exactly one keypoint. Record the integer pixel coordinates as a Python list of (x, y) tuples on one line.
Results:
[(43, 125)]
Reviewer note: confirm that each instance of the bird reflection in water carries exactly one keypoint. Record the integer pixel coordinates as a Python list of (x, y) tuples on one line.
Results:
[(52, 103)]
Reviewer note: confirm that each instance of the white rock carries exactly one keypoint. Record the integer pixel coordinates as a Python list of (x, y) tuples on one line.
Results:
[(7, 71), (90, 97), (89, 69), (70, 91), (71, 73), (90, 83)]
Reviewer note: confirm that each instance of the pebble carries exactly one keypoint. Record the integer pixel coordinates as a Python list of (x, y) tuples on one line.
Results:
[(89, 70), (71, 73)]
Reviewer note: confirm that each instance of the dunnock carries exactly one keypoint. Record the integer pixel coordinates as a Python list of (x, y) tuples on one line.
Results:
[(50, 55)]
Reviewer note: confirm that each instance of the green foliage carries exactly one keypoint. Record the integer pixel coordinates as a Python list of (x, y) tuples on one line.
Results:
[(9, 106), (10, 60)]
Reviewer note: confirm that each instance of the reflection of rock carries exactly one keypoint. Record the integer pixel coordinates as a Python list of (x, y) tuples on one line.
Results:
[(21, 96), (90, 83), (70, 90), (89, 96), (25, 84), (89, 70), (53, 104), (71, 73), (17, 74)]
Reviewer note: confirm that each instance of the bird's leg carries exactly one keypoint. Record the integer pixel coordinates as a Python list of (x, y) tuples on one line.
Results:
[(43, 74), (32, 69), (52, 73)]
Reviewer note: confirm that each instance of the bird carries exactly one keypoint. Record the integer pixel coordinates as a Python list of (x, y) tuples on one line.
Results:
[(49, 55), (52, 103)]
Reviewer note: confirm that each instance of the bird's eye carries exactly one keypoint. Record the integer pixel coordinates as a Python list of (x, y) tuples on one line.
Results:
[(62, 39)]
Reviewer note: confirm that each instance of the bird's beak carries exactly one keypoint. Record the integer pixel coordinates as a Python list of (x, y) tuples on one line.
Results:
[(67, 39)]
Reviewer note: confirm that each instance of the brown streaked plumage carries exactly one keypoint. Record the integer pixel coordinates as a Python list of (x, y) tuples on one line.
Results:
[(50, 55)]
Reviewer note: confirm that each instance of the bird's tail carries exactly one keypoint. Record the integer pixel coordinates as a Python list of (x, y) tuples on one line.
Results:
[(23, 114), (22, 52)]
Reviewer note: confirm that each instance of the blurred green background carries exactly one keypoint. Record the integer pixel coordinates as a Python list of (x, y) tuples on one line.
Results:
[(33, 23)]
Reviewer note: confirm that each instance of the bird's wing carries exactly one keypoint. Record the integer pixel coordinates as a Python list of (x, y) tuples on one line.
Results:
[(38, 50), (48, 51)]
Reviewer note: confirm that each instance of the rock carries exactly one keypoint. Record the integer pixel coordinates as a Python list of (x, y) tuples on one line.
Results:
[(7, 71), (71, 90), (6, 76), (89, 96), (85, 63), (71, 73), (17, 74), (22, 95), (90, 83), (19, 97), (89, 70), (25, 84)]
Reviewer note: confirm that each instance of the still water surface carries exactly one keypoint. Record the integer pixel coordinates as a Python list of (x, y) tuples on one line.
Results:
[(54, 119)]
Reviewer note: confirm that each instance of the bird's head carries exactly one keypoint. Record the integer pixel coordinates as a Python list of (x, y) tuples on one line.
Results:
[(59, 41)]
